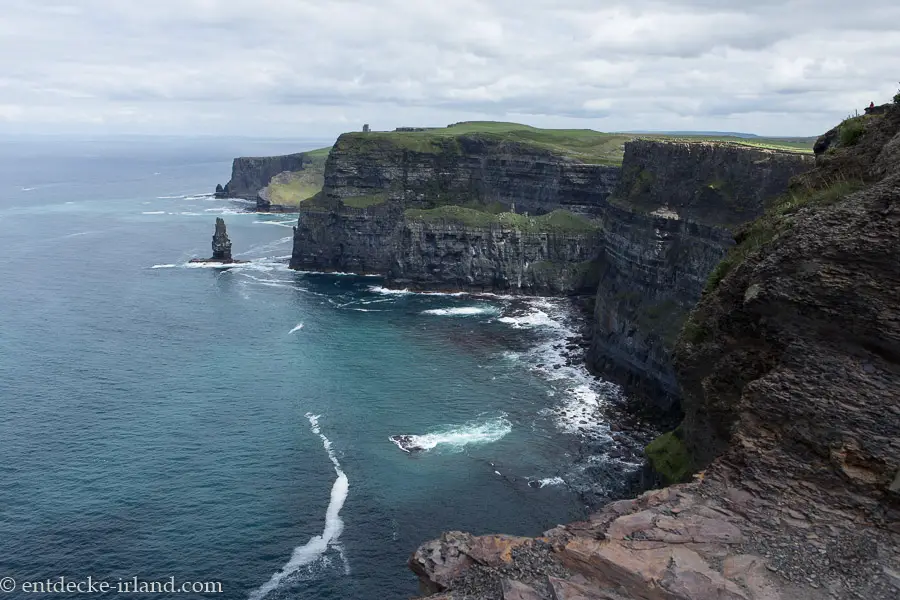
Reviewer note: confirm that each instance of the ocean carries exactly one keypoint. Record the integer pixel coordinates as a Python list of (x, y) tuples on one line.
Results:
[(165, 420)]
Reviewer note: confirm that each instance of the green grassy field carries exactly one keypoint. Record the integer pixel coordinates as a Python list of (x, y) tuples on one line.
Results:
[(585, 145)]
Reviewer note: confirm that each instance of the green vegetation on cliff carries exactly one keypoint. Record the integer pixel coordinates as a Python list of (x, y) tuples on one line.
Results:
[(669, 457), (298, 186), (583, 145), (777, 219), (560, 221)]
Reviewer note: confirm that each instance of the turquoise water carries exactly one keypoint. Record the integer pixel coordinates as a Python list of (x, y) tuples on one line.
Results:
[(208, 424)]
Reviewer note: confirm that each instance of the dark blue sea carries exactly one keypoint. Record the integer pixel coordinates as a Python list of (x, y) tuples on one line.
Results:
[(163, 419)]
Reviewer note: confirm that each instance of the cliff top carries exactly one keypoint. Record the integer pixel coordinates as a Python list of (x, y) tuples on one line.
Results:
[(580, 145)]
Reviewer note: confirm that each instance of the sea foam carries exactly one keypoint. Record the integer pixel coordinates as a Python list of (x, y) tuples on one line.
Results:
[(462, 311), (455, 437), (315, 548)]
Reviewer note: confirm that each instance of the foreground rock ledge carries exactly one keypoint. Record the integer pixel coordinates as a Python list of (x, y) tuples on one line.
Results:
[(704, 540)]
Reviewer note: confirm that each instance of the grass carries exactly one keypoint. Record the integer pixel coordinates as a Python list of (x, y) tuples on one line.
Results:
[(318, 154), (669, 457), (303, 186), (557, 221), (777, 219), (364, 201), (796, 145), (300, 186), (851, 129), (583, 145)]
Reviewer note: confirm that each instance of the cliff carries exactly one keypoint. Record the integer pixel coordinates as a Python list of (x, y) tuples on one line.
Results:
[(276, 183), (251, 174), (475, 169), (789, 368), (451, 209), (668, 223)]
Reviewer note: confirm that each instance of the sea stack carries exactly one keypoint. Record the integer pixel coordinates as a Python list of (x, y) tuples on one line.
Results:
[(221, 247)]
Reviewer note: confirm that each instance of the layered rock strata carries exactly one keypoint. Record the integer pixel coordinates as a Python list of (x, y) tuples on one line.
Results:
[(669, 222)]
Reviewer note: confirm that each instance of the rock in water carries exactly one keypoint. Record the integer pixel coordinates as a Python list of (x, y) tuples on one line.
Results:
[(221, 245)]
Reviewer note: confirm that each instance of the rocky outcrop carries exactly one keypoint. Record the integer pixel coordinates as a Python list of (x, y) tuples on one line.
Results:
[(789, 368), (221, 246), (668, 224)]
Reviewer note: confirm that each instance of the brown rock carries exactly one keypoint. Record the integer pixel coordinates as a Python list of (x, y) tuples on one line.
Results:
[(516, 590)]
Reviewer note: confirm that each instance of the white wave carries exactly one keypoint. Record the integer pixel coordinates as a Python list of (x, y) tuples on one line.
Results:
[(377, 289), (188, 214), (551, 481), (219, 210), (153, 212), (163, 266), (538, 317), (456, 437), (367, 310), (297, 328), (462, 311), (178, 197), (334, 525), (28, 189), (198, 196), (279, 223)]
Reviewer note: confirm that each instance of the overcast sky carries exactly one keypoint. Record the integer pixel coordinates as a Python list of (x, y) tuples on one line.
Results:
[(315, 68)]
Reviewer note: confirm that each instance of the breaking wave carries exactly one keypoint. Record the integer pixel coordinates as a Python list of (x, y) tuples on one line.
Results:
[(316, 547), (462, 311), (456, 437), (297, 328)]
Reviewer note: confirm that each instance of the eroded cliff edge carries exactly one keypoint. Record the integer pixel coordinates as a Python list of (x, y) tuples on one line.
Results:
[(790, 371)]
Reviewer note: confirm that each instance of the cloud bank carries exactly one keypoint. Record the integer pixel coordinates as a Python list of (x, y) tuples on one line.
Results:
[(316, 68)]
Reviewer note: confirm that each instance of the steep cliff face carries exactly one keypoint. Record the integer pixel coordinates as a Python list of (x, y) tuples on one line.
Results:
[(464, 170), (713, 183), (789, 366), (446, 254), (362, 220), (498, 259), (251, 174), (667, 225)]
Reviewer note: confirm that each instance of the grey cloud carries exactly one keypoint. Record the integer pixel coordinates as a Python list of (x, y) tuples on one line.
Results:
[(267, 66)]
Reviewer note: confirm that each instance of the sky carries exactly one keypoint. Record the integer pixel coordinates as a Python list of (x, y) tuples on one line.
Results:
[(314, 69)]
